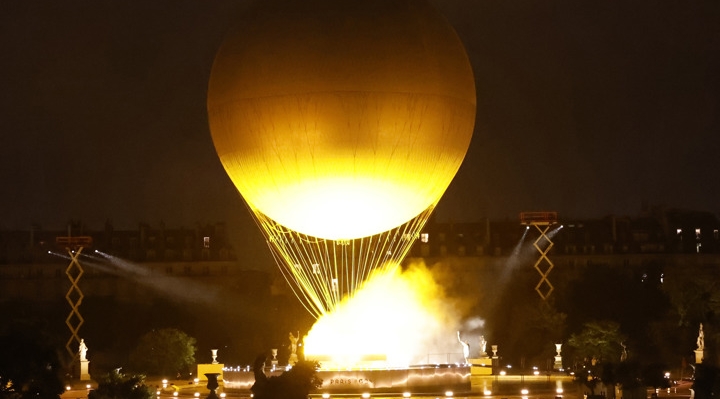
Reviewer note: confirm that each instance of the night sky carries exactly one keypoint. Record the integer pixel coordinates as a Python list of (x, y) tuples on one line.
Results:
[(587, 108)]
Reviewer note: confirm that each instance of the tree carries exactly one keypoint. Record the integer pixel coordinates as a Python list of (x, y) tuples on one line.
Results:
[(116, 385), (165, 351), (30, 363), (295, 383), (599, 340)]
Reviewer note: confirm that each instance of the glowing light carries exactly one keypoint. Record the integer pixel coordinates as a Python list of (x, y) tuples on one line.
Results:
[(559, 390), (325, 395), (487, 392), (524, 391), (346, 208), (365, 395), (222, 395), (390, 322), (407, 395), (449, 394), (67, 388), (197, 394), (175, 393), (87, 386)]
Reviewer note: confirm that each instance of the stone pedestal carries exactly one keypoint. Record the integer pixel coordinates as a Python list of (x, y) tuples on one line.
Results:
[(699, 356), (274, 361), (84, 365), (481, 366), (558, 358), (210, 368)]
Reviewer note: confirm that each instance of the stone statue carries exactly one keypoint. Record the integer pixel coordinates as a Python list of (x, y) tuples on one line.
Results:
[(483, 346), (293, 359), (83, 350), (624, 354), (466, 347), (701, 339), (293, 342)]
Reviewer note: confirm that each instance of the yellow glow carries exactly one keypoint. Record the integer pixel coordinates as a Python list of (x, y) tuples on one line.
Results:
[(342, 208), (397, 316)]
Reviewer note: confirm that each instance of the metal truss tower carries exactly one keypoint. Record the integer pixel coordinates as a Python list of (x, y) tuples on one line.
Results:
[(542, 222), (74, 247)]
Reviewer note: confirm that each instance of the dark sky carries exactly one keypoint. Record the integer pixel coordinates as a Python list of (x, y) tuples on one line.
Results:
[(587, 108)]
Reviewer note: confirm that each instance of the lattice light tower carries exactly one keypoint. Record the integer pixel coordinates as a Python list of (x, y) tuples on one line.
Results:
[(542, 222), (74, 296)]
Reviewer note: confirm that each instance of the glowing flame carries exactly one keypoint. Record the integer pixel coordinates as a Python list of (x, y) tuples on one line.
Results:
[(396, 319)]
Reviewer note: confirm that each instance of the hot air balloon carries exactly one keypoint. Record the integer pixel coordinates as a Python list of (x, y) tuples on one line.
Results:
[(341, 123)]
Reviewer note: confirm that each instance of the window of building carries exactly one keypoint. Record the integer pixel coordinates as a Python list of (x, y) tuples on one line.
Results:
[(697, 234), (425, 237), (206, 242)]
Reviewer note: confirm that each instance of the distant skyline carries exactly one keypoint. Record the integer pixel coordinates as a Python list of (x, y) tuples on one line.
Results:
[(584, 108)]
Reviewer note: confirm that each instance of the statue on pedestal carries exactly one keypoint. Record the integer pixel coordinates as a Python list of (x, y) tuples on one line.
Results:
[(701, 339), (483, 346), (84, 362), (700, 351)]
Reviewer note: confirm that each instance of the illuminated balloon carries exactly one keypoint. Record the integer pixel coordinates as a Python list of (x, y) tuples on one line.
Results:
[(341, 120)]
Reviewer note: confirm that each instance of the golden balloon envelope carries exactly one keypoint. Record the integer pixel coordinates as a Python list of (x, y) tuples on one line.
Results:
[(342, 119)]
